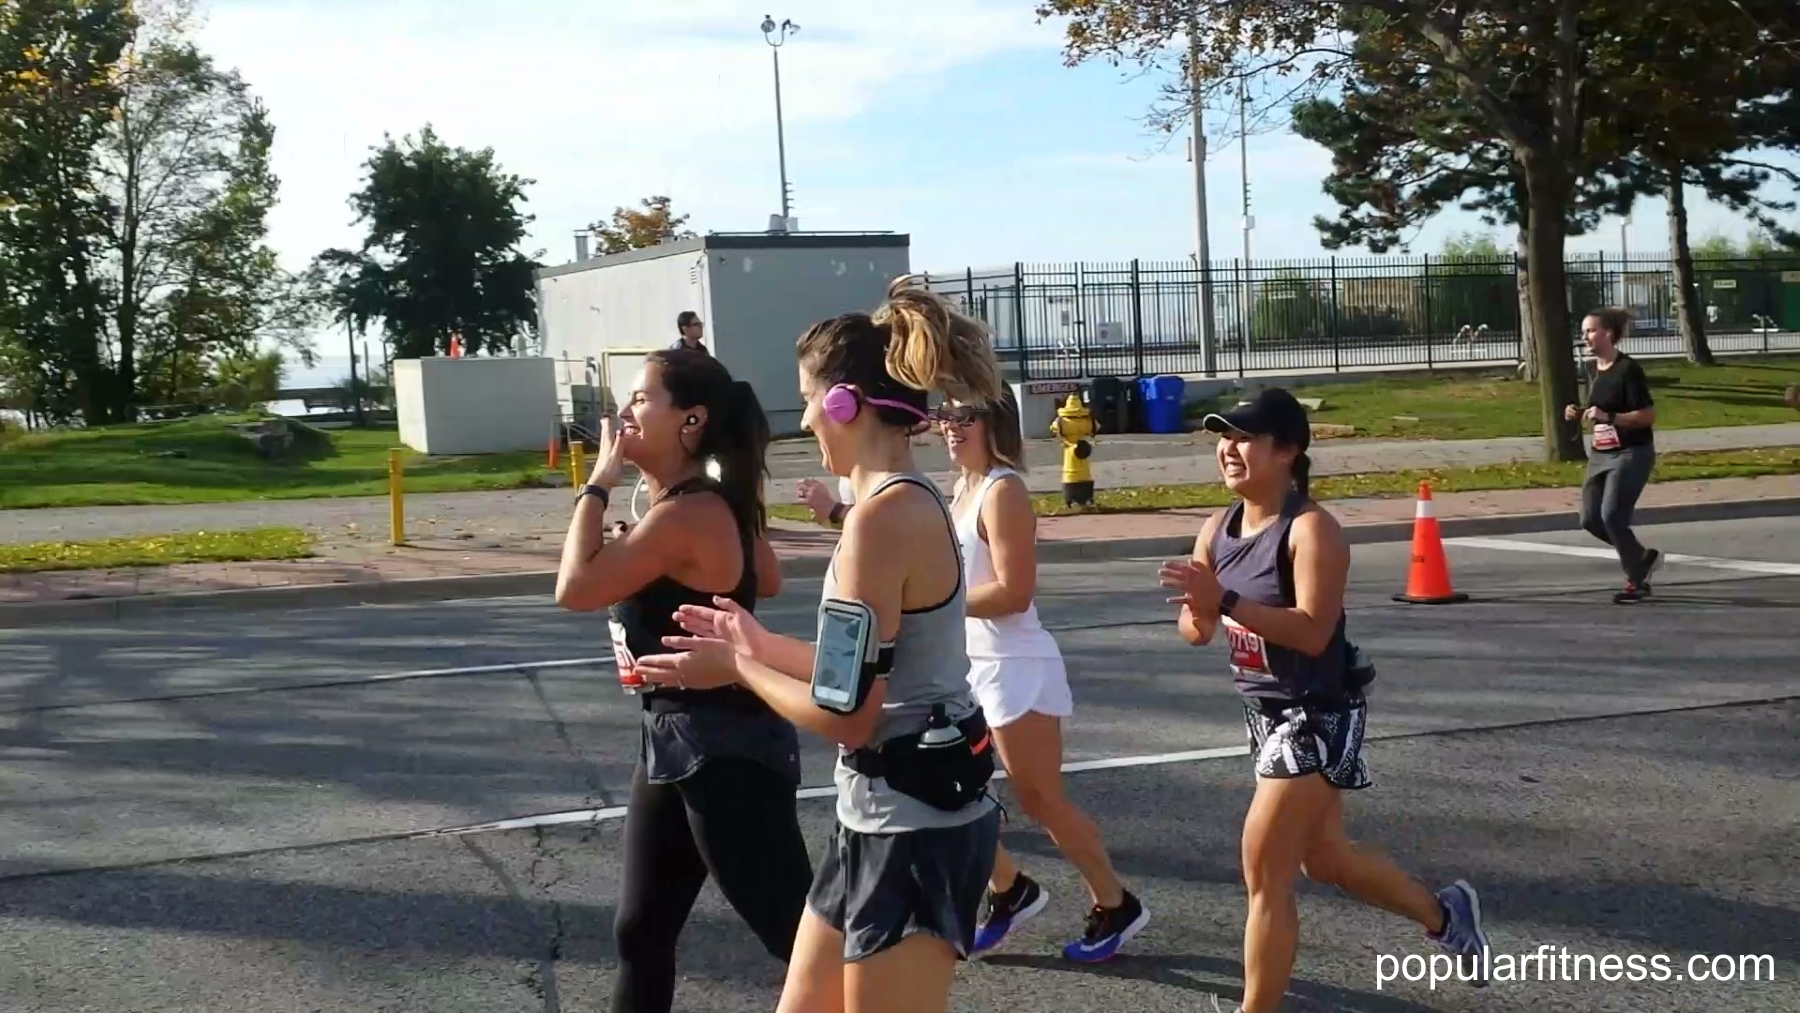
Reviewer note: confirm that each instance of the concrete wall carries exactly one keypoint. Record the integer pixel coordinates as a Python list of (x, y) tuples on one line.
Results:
[(475, 405), (764, 299)]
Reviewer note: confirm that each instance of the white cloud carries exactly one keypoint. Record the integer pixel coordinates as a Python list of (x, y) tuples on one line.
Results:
[(600, 102)]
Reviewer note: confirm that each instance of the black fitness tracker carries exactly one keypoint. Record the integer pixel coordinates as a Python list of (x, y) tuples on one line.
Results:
[(836, 517), (598, 492), (1227, 601)]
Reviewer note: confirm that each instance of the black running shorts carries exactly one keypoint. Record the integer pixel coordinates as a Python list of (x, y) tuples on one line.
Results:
[(877, 889), (1293, 740)]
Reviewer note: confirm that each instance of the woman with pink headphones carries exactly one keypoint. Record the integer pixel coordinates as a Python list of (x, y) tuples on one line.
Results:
[(900, 884)]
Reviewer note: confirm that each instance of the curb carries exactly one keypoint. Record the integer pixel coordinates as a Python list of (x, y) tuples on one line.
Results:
[(541, 582)]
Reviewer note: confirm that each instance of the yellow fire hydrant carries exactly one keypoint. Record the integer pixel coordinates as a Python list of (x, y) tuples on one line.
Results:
[(1075, 427)]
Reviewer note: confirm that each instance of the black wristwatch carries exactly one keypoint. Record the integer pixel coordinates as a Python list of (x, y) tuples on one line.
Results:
[(1227, 602), (836, 517), (598, 492)]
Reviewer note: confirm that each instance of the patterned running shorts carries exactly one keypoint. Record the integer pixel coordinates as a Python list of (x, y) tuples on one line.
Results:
[(1291, 740)]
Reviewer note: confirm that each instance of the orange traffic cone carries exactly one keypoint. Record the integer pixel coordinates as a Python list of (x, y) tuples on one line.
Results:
[(1428, 581)]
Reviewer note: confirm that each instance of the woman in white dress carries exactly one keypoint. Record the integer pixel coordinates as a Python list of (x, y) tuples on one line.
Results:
[(1017, 674)]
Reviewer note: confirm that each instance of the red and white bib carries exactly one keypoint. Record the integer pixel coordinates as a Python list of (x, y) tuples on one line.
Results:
[(622, 656), (1605, 437), (1249, 655)]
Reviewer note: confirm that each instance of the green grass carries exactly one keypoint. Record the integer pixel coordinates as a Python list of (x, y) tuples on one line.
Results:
[(1736, 392), (1484, 478), (158, 550), (201, 461)]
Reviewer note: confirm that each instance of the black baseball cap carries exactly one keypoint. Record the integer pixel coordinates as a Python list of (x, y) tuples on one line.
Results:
[(1273, 412)]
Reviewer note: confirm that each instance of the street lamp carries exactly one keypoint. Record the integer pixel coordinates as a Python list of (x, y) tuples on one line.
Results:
[(775, 35)]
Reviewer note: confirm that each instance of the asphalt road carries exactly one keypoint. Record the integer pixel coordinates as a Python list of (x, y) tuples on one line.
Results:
[(201, 814)]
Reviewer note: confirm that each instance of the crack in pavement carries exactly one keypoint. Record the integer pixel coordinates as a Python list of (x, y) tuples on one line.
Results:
[(542, 979), (597, 795)]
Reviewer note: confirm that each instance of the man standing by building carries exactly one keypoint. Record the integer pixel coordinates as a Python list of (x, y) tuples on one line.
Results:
[(688, 324)]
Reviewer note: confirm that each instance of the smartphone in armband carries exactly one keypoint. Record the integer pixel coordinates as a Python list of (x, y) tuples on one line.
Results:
[(843, 655)]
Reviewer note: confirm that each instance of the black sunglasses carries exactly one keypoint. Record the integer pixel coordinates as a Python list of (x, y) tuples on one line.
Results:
[(960, 415)]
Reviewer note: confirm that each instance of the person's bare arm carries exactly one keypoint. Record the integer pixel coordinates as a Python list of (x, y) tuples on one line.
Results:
[(1198, 630), (865, 573), (1321, 570), (596, 573), (1011, 530)]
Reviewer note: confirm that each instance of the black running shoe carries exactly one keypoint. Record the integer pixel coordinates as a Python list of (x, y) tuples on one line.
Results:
[(1108, 928), (1008, 910)]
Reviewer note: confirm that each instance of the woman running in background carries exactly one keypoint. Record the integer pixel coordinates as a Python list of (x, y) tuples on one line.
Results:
[(1623, 415), (1017, 673), (713, 792), (900, 885), (1272, 569)]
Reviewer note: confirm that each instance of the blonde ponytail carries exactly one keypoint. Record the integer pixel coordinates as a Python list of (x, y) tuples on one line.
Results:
[(932, 346)]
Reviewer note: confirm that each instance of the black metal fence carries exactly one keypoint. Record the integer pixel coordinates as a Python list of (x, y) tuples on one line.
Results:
[(1066, 321)]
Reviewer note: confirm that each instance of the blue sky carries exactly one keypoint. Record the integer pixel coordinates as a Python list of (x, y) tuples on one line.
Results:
[(952, 120)]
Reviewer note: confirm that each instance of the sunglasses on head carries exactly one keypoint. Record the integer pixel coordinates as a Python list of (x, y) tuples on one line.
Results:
[(958, 415)]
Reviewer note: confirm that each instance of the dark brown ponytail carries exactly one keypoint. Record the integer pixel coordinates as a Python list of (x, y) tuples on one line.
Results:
[(1303, 474)]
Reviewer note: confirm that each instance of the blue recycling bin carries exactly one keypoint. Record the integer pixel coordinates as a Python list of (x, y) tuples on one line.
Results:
[(1162, 403)]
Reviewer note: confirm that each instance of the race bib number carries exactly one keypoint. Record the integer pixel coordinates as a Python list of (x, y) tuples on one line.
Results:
[(1249, 656), (1605, 437), (622, 657)]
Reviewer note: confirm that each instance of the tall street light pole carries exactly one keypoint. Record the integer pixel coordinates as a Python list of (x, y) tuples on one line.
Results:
[(1203, 251), (775, 35)]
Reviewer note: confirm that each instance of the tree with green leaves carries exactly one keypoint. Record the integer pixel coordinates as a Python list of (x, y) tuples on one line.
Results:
[(441, 259), (653, 223), (1700, 94), (1406, 146), (1527, 72), (185, 168), (58, 90)]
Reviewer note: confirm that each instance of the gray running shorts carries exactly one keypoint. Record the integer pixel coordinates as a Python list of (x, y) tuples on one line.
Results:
[(877, 889)]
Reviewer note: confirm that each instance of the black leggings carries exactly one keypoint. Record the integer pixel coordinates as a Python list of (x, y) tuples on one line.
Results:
[(734, 819)]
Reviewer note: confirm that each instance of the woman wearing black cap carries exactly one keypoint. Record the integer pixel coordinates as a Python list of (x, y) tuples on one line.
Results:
[(1271, 569)]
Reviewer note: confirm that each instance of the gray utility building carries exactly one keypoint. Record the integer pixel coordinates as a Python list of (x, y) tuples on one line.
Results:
[(756, 292)]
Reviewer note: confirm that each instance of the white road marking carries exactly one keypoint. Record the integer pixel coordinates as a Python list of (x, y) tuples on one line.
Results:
[(1599, 552), (617, 812)]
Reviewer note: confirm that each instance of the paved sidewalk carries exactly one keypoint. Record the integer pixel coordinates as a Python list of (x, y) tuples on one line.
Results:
[(806, 547), (510, 515)]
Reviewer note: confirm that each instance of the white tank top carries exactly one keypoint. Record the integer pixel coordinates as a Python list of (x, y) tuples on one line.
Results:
[(1019, 635)]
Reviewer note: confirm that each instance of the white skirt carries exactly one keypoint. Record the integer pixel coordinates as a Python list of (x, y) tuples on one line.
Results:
[(1010, 688)]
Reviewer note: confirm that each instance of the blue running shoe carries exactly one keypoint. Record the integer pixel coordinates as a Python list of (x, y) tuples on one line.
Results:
[(1004, 911), (1107, 930), (1462, 933)]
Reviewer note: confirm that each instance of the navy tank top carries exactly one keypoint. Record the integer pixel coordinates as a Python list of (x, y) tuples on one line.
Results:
[(1259, 569), (682, 729)]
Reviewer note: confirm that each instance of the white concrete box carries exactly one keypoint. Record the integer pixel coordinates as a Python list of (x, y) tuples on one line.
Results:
[(756, 292), (474, 404)]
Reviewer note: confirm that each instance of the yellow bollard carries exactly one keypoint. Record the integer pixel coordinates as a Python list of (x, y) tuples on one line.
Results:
[(577, 463), (396, 496)]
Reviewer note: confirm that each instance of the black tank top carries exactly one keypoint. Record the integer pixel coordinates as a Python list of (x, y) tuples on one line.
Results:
[(685, 728)]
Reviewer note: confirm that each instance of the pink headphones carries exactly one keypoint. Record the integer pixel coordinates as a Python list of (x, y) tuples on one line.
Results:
[(843, 403)]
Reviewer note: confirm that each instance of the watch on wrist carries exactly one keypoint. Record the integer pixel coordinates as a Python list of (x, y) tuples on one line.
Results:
[(599, 492), (1227, 602), (836, 516)]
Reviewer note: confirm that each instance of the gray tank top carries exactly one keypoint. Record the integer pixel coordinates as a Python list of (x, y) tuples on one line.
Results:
[(1259, 569), (931, 666)]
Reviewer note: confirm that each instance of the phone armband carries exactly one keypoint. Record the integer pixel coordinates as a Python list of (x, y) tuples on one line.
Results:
[(845, 655)]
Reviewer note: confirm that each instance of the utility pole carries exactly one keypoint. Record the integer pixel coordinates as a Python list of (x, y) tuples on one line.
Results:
[(775, 35), (1249, 221), (1209, 338)]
